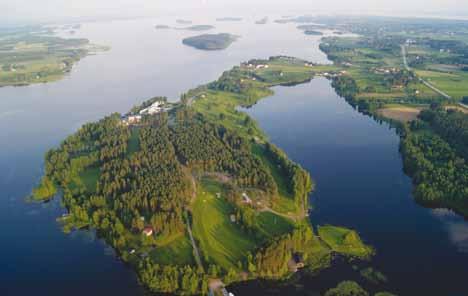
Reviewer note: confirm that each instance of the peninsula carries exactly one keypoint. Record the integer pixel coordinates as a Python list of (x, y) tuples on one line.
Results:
[(30, 55), (210, 41), (192, 194)]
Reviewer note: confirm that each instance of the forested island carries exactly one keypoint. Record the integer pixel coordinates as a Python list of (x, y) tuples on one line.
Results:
[(313, 33), (162, 27), (210, 41), (313, 30), (262, 21), (192, 195), (198, 28), (183, 22), (30, 55), (229, 19), (189, 28)]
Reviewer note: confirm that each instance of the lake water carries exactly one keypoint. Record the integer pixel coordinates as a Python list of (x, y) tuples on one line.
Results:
[(354, 160)]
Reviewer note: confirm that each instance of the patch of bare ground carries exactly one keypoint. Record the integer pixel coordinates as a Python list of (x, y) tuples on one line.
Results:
[(401, 113)]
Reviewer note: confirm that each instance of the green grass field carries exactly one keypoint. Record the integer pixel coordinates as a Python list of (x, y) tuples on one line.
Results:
[(271, 225), (90, 177), (455, 83), (278, 175), (344, 241), (221, 107), (221, 241), (178, 251), (133, 143)]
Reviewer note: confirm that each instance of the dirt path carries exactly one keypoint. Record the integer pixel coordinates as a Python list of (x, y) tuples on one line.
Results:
[(295, 217), (196, 252)]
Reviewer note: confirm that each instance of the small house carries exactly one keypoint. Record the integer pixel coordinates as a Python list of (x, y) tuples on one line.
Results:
[(246, 198), (148, 231)]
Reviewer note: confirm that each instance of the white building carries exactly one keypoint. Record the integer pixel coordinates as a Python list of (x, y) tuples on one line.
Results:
[(155, 108), (246, 198)]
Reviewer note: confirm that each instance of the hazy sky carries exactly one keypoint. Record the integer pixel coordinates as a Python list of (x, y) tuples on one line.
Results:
[(51, 10)]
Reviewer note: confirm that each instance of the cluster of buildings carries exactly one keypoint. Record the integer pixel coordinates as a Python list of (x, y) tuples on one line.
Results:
[(257, 66), (386, 70), (410, 42), (155, 108), (333, 75)]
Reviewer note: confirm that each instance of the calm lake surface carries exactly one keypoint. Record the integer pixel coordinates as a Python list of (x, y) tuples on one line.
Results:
[(353, 159)]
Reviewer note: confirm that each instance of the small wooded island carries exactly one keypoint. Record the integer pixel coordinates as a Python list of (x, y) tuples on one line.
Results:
[(311, 29), (192, 194), (198, 28), (210, 41)]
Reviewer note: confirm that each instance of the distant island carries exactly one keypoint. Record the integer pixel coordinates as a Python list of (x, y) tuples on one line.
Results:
[(192, 195), (198, 28), (190, 28), (262, 21), (312, 32), (183, 22), (162, 27), (229, 19), (299, 19), (210, 41), (30, 55)]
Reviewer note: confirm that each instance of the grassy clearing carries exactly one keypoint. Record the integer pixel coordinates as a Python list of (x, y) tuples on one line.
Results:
[(344, 241), (285, 202), (222, 242), (221, 107), (133, 143), (178, 251), (276, 172), (90, 177), (271, 225)]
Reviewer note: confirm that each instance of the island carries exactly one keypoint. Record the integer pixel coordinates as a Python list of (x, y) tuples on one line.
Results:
[(229, 19), (311, 29), (183, 22), (30, 55), (198, 28), (191, 194), (313, 33), (162, 27), (210, 41), (262, 21)]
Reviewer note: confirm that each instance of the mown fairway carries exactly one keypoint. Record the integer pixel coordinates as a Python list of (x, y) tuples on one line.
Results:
[(221, 241), (176, 251)]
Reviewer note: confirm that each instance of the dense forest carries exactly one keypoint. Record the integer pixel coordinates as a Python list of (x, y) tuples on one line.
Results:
[(435, 150)]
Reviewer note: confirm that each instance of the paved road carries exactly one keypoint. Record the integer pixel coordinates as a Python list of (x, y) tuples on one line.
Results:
[(405, 61), (426, 83), (463, 105)]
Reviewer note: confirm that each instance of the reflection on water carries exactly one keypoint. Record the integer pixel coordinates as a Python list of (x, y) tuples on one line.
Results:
[(457, 228)]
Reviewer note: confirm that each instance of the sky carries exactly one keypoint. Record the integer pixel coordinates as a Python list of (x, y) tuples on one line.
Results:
[(61, 10)]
